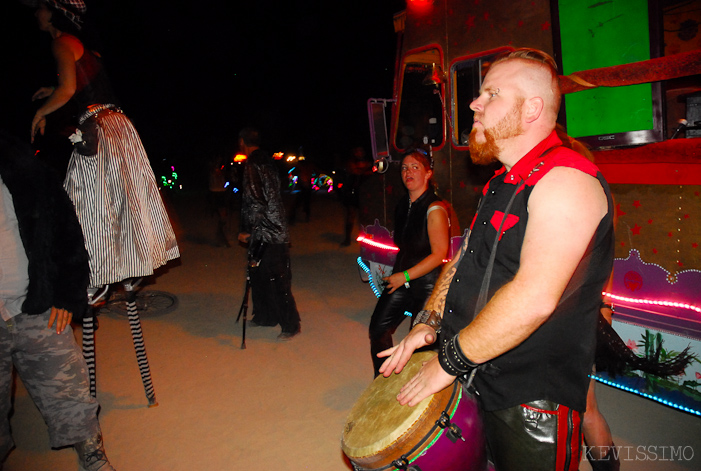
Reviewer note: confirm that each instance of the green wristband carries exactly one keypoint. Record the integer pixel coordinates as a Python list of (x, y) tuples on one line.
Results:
[(406, 276)]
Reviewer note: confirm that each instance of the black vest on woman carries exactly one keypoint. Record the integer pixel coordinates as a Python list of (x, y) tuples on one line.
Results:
[(411, 233)]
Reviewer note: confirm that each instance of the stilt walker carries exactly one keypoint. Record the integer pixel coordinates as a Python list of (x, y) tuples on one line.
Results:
[(109, 179)]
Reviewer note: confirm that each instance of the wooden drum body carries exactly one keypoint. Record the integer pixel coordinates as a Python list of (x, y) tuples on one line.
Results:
[(442, 433)]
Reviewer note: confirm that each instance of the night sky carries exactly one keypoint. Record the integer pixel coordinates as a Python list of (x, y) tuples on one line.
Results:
[(191, 75)]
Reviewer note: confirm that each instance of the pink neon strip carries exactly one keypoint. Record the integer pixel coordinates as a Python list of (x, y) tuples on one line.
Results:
[(380, 245), (652, 302)]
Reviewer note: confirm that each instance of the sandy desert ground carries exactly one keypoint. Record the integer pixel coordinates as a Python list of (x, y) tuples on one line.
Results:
[(274, 405)]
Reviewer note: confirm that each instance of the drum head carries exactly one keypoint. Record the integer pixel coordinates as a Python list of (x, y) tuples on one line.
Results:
[(377, 420)]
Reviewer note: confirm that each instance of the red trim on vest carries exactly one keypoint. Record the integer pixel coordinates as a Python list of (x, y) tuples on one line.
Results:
[(561, 157), (498, 216)]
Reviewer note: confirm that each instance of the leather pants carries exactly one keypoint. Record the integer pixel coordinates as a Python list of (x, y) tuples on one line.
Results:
[(537, 436)]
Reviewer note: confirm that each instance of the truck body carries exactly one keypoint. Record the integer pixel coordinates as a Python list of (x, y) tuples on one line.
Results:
[(630, 72)]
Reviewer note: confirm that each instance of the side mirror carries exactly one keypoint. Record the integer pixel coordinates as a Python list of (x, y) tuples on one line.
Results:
[(377, 114), (381, 165)]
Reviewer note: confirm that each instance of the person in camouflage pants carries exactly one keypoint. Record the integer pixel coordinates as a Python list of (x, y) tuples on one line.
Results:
[(44, 276), (53, 370)]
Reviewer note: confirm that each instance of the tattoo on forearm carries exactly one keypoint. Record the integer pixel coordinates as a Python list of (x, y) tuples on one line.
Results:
[(440, 291)]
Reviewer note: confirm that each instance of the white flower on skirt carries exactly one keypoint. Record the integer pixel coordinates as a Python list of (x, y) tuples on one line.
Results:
[(76, 137)]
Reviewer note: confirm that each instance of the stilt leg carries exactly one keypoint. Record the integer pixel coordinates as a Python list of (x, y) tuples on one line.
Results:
[(89, 347), (139, 346), (89, 321)]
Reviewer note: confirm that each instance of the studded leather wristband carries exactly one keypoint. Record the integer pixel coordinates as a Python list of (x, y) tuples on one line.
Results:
[(430, 318), (453, 360)]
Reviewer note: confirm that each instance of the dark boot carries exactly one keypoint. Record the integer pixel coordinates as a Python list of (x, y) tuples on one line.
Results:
[(91, 455)]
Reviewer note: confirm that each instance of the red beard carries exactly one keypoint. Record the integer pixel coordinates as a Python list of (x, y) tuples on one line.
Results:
[(483, 153), (487, 152)]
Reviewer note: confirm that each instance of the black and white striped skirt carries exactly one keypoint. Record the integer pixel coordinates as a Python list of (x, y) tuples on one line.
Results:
[(126, 228)]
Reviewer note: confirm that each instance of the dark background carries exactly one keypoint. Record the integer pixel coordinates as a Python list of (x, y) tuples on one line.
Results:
[(191, 75)]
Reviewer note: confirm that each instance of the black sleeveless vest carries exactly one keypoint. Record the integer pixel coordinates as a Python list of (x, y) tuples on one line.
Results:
[(411, 233)]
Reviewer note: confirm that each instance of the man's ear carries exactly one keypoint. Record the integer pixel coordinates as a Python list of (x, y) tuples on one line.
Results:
[(533, 109)]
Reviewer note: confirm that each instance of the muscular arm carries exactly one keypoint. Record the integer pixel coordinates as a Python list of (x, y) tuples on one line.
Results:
[(564, 210)]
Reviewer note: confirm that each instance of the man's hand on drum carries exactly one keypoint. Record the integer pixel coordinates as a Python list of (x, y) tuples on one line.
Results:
[(399, 355), (430, 379)]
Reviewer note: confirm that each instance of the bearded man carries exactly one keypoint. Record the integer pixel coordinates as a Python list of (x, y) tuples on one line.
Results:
[(517, 308)]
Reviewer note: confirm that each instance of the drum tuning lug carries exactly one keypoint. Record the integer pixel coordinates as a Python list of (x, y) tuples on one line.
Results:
[(401, 463), (456, 431), (443, 421)]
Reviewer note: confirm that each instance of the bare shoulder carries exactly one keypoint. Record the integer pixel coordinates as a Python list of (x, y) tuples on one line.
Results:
[(569, 189), (564, 211), (68, 44), (438, 209)]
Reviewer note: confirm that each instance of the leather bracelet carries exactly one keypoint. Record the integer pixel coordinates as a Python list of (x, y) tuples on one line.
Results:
[(453, 360), (607, 306), (430, 318)]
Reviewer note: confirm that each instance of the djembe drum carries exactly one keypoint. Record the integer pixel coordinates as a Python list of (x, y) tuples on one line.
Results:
[(442, 433)]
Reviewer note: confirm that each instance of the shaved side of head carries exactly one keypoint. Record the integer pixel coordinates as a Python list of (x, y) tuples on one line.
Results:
[(538, 78)]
